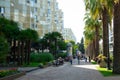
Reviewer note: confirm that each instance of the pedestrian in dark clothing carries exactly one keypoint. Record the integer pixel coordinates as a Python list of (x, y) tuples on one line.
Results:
[(78, 56)]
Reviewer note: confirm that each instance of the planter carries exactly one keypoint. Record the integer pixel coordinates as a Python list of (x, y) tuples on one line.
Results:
[(14, 76), (102, 64)]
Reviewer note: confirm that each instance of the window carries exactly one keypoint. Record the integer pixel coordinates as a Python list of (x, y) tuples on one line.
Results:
[(28, 1), (35, 9), (33, 25), (36, 18), (2, 10), (35, 1), (49, 11), (16, 17), (36, 26), (48, 3)]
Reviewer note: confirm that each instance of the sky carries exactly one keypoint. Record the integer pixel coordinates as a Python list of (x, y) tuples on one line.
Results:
[(73, 11)]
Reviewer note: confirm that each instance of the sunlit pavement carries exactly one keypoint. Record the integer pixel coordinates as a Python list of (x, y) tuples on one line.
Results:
[(84, 71)]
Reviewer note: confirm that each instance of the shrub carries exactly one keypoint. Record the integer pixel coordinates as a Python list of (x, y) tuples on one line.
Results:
[(63, 55), (101, 60), (41, 65), (41, 57)]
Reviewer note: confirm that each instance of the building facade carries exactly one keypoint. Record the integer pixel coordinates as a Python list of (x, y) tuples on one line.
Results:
[(68, 35), (41, 15)]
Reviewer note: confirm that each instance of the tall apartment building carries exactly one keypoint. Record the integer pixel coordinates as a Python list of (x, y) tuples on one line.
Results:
[(68, 35), (40, 15)]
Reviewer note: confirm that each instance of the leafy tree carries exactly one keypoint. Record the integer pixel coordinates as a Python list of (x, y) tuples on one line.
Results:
[(81, 46), (4, 49), (73, 46)]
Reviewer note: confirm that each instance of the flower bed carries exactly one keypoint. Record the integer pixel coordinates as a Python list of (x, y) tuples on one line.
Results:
[(10, 74), (7, 72), (12, 77)]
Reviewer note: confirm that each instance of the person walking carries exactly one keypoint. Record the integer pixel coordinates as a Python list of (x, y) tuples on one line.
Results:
[(70, 59), (78, 56)]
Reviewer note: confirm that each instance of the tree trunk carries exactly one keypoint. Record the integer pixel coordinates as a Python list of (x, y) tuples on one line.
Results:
[(106, 37), (19, 56), (14, 51), (105, 33), (96, 41), (22, 52), (94, 52), (116, 55), (28, 52)]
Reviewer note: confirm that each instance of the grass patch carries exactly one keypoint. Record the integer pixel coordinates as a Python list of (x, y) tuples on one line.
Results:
[(105, 72), (93, 62), (31, 65)]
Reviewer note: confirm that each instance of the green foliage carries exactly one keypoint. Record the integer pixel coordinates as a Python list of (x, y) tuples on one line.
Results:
[(32, 64), (62, 45), (63, 55), (53, 41), (9, 28), (81, 46), (41, 57), (28, 34), (105, 72), (4, 48), (72, 42), (93, 62)]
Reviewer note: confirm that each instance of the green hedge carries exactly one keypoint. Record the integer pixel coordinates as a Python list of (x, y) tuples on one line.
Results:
[(63, 55), (41, 57)]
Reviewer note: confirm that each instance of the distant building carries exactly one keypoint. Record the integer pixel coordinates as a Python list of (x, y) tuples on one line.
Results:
[(111, 39), (68, 35)]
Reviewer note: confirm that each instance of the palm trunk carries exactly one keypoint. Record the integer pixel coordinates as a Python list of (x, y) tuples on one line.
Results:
[(116, 55), (19, 56), (106, 37), (22, 52), (94, 53), (96, 41), (14, 51), (26, 51), (29, 50), (105, 33)]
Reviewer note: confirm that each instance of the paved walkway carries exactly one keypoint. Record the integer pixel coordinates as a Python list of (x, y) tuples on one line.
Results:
[(84, 71)]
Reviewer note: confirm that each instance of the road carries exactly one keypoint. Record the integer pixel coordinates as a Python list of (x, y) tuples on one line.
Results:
[(84, 71)]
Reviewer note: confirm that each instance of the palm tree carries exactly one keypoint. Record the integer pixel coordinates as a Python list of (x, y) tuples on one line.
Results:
[(27, 36), (102, 9), (116, 55), (95, 26), (10, 30), (52, 40), (89, 42), (4, 49)]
